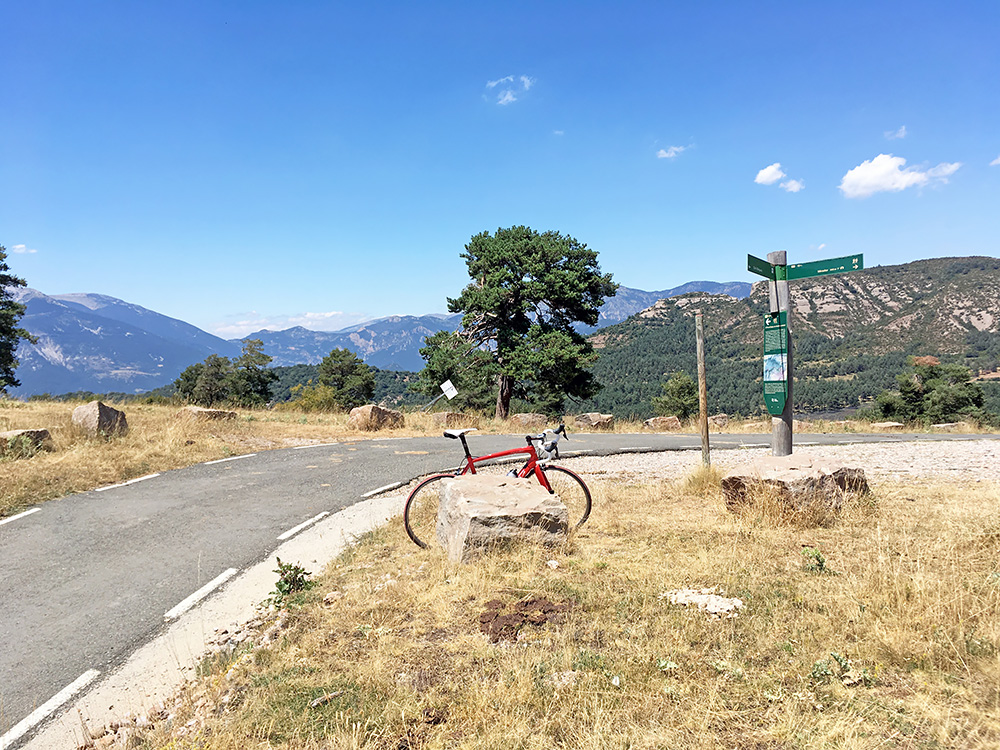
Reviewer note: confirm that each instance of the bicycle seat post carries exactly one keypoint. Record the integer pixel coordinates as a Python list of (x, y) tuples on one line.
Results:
[(468, 454)]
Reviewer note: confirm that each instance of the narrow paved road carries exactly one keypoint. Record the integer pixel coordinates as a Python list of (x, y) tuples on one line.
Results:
[(88, 578)]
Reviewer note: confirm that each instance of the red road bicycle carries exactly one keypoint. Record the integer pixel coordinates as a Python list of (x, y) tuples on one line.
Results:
[(420, 512)]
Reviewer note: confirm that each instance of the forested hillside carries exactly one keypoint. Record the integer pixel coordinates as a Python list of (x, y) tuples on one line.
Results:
[(852, 335)]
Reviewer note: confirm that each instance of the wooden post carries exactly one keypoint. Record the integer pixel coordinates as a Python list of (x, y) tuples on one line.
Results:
[(699, 334), (781, 426)]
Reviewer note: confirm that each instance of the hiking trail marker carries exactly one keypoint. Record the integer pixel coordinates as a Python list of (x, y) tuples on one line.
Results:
[(777, 338)]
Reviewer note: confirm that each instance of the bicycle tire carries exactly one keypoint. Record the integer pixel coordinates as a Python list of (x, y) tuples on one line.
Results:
[(573, 492), (421, 509)]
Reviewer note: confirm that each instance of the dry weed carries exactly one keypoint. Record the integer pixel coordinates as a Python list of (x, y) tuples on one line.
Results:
[(892, 641)]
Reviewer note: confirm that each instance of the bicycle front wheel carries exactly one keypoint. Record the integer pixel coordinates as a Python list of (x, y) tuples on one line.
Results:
[(421, 511), (572, 490)]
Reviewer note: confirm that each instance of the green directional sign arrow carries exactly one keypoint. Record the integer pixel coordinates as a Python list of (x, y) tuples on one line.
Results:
[(826, 267), (760, 267)]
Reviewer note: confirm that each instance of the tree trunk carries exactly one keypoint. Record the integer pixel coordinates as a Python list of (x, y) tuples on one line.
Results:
[(505, 389)]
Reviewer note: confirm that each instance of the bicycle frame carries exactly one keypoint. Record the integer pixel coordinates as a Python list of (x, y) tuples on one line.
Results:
[(530, 467)]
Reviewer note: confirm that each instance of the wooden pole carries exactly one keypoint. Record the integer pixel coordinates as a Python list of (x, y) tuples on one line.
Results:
[(781, 426), (699, 335)]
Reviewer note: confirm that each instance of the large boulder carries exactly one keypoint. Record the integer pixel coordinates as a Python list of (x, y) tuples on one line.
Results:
[(530, 420), (799, 483), (888, 426), (484, 511), (455, 419), (719, 421), (24, 443), (372, 417), (663, 424), (596, 421), (201, 413), (99, 419)]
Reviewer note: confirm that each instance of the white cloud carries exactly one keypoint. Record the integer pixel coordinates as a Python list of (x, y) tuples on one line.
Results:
[(770, 175), (246, 323), (23, 250), (792, 186), (670, 153), (895, 135), (510, 85), (995, 162), (886, 173), (558, 132)]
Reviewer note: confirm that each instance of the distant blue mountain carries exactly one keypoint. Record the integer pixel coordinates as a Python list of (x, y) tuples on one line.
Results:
[(96, 343), (92, 342)]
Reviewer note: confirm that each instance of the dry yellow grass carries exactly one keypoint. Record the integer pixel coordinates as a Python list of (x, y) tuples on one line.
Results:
[(885, 633)]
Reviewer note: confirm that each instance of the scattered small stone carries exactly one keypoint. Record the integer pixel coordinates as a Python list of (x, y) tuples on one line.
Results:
[(563, 679), (554, 564), (705, 599), (324, 699), (332, 597)]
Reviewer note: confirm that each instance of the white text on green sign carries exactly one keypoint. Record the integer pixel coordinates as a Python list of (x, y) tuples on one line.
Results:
[(826, 267)]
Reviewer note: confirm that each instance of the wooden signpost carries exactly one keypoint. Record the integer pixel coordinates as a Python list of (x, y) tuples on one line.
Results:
[(778, 377)]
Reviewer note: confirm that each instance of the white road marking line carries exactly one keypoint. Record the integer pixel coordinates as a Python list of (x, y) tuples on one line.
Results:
[(19, 515), (126, 484), (317, 445), (293, 531), (49, 707), (198, 595), (231, 458), (392, 486)]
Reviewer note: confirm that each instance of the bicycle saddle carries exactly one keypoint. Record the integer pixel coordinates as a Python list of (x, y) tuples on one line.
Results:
[(455, 434)]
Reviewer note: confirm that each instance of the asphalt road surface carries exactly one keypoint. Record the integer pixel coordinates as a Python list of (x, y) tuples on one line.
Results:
[(88, 578)]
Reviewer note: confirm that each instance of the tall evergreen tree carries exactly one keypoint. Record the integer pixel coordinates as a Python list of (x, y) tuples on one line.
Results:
[(527, 291), (10, 333)]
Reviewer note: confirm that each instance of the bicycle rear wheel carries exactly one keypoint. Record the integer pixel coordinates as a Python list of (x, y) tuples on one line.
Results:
[(421, 511), (572, 490)]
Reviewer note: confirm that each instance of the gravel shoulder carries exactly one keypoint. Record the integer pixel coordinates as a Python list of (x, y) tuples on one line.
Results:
[(965, 460)]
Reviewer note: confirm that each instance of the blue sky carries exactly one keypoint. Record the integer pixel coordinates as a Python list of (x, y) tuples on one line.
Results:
[(242, 165)]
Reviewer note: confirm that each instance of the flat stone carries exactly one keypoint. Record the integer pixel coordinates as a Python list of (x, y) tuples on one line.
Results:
[(663, 424), (596, 420), (719, 421), (801, 482), (887, 425), (480, 511), (372, 417), (200, 412), (16, 441)]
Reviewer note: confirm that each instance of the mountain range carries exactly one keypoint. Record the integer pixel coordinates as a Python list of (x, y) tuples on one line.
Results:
[(94, 342), (852, 334)]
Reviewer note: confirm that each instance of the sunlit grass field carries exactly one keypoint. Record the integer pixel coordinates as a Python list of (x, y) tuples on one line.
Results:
[(880, 629)]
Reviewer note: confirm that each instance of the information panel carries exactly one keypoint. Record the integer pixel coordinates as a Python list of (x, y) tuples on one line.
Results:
[(775, 362)]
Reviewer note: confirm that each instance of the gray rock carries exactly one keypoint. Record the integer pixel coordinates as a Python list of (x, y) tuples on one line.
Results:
[(371, 417), (719, 421), (663, 424), (97, 418), (893, 426), (24, 443), (480, 511), (595, 420), (799, 482)]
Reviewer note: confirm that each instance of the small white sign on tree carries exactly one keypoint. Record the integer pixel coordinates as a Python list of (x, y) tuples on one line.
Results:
[(449, 390)]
